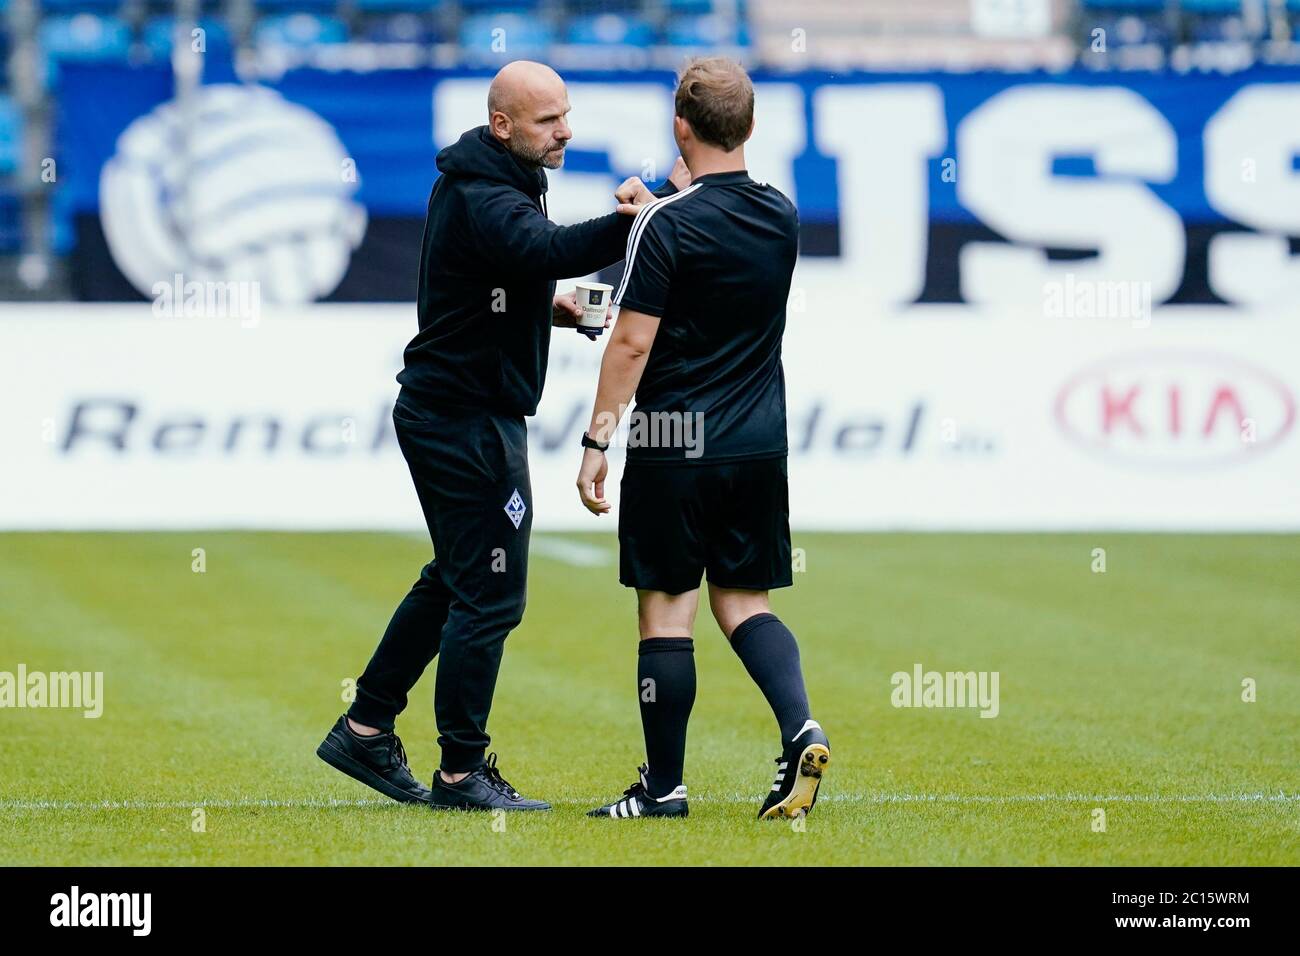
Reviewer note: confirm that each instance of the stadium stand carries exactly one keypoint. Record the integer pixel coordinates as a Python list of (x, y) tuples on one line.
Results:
[(898, 34), (10, 153)]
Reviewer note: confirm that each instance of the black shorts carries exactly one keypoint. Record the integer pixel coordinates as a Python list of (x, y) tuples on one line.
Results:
[(679, 521)]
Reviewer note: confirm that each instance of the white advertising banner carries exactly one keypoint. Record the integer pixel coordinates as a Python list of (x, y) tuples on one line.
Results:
[(931, 417)]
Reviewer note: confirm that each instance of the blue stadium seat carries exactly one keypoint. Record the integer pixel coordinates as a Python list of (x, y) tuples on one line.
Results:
[(399, 6), (84, 37), (526, 37), (10, 136), (1145, 5), (690, 6), (11, 221), (157, 35), (77, 6), (473, 6), (610, 29), (296, 6), (593, 7), (300, 29), (705, 31), (1215, 21), (400, 28), (1218, 31), (1128, 31), (207, 8)]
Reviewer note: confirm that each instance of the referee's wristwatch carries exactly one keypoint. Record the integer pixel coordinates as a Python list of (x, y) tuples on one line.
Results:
[(589, 442)]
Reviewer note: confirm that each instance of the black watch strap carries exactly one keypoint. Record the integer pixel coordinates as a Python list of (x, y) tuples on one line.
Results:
[(589, 442)]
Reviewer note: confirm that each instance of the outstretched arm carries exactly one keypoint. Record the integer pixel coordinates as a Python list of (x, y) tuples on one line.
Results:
[(516, 235)]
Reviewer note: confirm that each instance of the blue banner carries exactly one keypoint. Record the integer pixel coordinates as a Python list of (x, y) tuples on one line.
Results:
[(910, 177), (386, 122)]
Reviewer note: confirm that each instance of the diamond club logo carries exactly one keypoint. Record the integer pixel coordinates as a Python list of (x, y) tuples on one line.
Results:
[(515, 509)]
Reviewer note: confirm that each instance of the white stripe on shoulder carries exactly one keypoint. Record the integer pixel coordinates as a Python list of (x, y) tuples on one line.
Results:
[(638, 228)]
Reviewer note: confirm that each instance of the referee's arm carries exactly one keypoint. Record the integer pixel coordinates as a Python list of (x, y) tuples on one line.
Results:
[(620, 373), (620, 370), (642, 298)]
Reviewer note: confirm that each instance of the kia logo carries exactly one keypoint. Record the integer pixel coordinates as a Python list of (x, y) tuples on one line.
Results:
[(1175, 408)]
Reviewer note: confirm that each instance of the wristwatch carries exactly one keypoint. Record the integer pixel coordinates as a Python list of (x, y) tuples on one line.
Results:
[(589, 442)]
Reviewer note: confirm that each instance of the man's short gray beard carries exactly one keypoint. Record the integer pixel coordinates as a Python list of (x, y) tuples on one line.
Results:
[(551, 159)]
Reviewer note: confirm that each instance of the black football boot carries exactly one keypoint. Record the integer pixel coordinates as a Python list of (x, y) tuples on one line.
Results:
[(636, 802), (798, 774)]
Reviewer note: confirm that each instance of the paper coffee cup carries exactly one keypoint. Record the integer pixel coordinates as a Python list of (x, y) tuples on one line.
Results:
[(593, 299)]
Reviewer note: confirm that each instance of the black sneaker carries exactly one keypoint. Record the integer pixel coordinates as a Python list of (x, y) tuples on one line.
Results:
[(795, 791), (483, 789), (637, 802), (378, 761)]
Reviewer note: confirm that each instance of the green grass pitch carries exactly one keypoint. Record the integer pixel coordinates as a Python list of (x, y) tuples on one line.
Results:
[(1119, 690)]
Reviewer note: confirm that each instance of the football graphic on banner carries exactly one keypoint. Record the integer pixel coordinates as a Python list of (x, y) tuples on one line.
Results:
[(236, 185)]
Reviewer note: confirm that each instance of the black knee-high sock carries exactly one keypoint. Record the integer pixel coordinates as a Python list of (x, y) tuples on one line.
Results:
[(771, 655), (665, 679)]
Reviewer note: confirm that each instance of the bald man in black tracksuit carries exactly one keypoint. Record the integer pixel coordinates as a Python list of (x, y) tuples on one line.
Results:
[(488, 267)]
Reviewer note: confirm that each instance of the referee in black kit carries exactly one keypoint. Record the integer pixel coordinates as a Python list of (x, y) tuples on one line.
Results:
[(488, 265), (704, 492)]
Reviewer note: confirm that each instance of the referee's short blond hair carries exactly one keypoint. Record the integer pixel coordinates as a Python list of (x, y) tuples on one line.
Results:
[(715, 95)]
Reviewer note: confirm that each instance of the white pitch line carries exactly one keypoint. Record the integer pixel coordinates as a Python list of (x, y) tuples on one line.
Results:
[(186, 804), (868, 798), (1067, 798), (569, 551), (557, 548)]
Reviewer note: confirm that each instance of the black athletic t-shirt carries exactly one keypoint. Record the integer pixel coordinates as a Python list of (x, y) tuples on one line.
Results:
[(714, 262)]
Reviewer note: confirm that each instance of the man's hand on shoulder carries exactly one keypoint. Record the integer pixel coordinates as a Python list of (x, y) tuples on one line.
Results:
[(633, 195), (681, 174)]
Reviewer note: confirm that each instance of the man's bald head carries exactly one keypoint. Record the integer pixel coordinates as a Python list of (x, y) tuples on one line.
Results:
[(527, 106), (520, 80)]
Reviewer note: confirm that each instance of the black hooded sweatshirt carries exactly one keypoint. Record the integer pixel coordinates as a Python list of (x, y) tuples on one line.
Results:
[(489, 261)]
